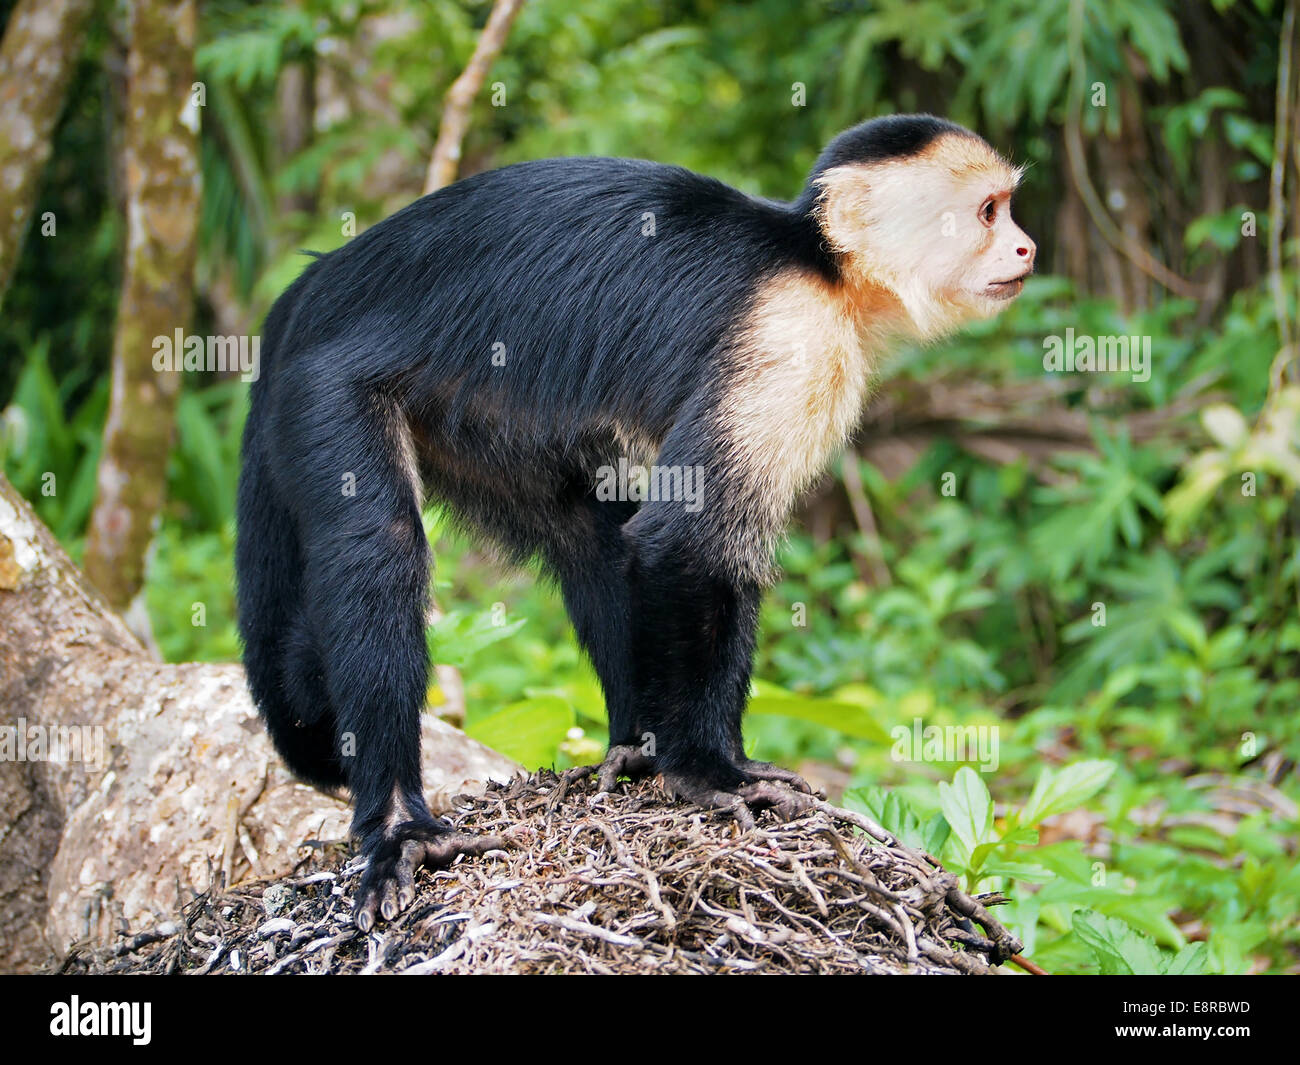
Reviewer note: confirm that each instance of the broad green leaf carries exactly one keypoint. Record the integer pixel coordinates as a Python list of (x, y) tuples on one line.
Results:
[(968, 808), (458, 636), (935, 834), (892, 813), (1057, 791), (529, 731), (1016, 869), (1190, 961), (848, 718), (1118, 949), (582, 693)]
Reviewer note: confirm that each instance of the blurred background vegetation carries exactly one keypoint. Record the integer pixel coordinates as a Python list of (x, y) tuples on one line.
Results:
[(1143, 814)]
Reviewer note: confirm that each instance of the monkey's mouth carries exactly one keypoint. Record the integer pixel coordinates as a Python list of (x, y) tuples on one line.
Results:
[(1007, 290)]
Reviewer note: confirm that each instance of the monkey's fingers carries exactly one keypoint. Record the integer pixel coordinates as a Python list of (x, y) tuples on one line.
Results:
[(768, 771), (710, 798), (388, 885), (622, 760), (741, 802), (787, 802)]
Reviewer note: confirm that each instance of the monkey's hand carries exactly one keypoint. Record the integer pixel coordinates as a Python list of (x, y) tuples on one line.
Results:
[(763, 785), (388, 884), (623, 760)]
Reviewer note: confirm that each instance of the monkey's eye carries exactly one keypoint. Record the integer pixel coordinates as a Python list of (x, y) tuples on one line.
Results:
[(989, 211)]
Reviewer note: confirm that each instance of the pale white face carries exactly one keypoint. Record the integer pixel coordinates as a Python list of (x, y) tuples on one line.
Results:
[(934, 230)]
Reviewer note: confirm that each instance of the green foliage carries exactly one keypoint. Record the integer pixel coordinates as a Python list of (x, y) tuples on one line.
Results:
[(1097, 512), (50, 445), (530, 730), (1122, 952), (458, 636), (892, 813), (204, 471), (189, 590)]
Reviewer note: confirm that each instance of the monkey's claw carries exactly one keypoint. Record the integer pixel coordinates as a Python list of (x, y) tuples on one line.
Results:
[(768, 771), (388, 884), (623, 760), (770, 787)]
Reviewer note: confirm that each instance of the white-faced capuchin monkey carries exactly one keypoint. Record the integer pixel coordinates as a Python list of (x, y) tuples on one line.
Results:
[(500, 345)]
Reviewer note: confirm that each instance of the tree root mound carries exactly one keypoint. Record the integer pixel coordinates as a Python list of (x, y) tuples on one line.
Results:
[(627, 882)]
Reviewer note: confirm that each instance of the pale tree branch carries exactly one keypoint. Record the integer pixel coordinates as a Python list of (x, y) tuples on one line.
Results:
[(445, 161)]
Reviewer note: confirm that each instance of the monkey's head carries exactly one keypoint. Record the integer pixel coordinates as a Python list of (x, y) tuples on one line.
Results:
[(921, 208)]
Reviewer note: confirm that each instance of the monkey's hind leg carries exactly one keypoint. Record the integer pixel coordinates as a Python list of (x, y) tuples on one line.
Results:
[(592, 570), (388, 884), (366, 563)]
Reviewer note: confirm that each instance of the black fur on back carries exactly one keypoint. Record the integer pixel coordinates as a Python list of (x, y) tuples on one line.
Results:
[(548, 258)]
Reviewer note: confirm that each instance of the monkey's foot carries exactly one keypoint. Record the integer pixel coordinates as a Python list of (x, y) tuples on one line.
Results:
[(623, 760), (766, 787), (768, 771), (388, 884)]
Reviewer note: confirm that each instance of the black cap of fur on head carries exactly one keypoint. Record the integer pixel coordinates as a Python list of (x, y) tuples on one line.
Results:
[(873, 141)]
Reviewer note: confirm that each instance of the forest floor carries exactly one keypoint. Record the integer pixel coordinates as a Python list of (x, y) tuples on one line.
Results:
[(626, 882)]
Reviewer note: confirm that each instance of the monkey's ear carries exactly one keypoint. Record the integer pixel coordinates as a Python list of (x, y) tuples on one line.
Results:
[(844, 209), (854, 214)]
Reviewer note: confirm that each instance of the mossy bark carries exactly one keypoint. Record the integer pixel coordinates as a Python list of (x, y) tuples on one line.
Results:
[(162, 194), (39, 53)]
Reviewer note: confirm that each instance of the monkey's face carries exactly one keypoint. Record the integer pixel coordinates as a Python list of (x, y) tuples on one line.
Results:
[(933, 229)]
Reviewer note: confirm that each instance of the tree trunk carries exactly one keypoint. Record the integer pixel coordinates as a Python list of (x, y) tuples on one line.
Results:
[(39, 53), (123, 780), (162, 192)]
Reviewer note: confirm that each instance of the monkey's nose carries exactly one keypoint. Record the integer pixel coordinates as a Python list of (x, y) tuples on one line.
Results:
[(1027, 250)]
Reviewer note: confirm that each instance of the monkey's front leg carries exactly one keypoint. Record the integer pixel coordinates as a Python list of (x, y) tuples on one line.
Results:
[(693, 636)]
